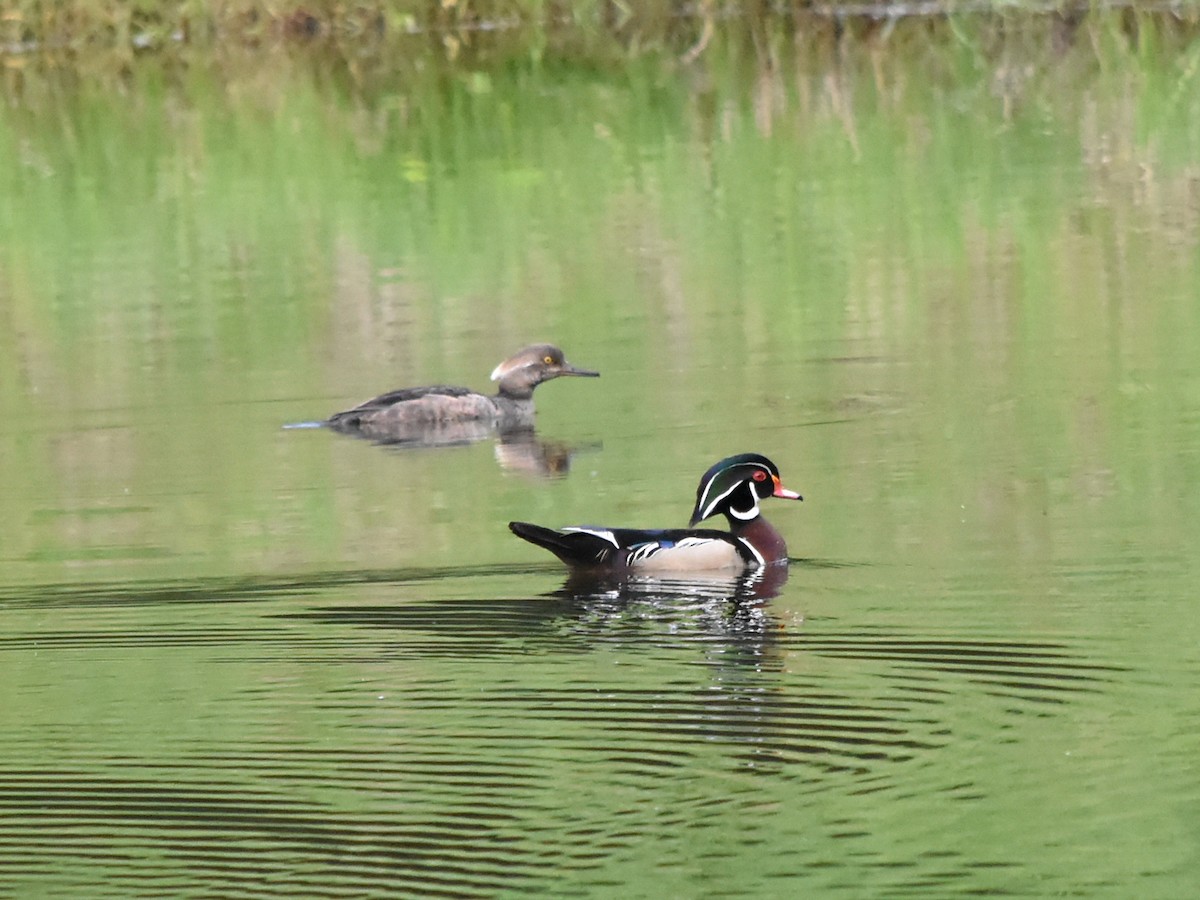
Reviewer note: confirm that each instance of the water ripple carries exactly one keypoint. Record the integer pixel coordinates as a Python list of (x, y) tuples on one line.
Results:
[(401, 734)]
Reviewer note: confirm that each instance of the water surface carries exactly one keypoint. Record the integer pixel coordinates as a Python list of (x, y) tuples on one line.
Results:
[(240, 660)]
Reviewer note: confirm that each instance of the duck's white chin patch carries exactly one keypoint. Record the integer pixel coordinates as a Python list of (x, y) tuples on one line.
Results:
[(744, 514)]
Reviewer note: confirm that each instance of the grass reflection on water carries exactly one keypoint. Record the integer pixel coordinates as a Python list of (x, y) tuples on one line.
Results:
[(245, 660)]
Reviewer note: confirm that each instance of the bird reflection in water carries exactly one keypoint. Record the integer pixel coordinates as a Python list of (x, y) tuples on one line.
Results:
[(517, 450), (758, 584), (727, 613), (524, 453)]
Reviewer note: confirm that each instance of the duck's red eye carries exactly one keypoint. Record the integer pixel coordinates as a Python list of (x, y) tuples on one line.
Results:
[(760, 475)]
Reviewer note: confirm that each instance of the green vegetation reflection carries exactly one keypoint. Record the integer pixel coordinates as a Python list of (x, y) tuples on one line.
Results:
[(186, 256)]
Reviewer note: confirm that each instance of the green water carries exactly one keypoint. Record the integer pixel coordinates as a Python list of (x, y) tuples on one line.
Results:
[(964, 320)]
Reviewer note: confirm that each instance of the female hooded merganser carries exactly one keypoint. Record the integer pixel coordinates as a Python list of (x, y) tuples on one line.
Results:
[(733, 487), (412, 413)]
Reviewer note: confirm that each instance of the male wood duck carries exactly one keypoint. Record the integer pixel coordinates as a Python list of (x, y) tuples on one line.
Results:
[(733, 487), (414, 413)]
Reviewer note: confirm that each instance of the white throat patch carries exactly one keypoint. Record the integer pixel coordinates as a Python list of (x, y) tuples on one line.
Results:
[(745, 514)]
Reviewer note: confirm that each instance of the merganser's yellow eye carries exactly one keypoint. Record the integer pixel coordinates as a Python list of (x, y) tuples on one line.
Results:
[(548, 360)]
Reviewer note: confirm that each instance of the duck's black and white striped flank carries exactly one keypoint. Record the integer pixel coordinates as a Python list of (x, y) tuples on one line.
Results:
[(733, 487)]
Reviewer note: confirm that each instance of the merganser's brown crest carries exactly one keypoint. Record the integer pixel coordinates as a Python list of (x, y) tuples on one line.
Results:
[(441, 411), (734, 487)]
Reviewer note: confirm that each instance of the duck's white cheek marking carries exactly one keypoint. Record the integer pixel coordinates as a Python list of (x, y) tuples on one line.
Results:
[(744, 514)]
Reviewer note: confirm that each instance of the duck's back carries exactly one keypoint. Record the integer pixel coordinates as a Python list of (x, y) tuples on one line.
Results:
[(642, 550), (415, 408)]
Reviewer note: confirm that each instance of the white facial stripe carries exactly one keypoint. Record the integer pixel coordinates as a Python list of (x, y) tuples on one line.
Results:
[(706, 506), (707, 509), (702, 503)]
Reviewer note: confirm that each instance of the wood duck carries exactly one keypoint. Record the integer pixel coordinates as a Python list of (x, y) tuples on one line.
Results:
[(413, 414), (733, 487)]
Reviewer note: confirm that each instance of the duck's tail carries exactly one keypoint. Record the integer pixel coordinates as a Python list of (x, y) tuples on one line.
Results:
[(575, 548)]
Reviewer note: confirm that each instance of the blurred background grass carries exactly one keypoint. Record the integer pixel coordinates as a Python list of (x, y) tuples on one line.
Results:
[(112, 31)]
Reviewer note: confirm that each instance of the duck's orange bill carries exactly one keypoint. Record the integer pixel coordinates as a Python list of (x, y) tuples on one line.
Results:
[(781, 491)]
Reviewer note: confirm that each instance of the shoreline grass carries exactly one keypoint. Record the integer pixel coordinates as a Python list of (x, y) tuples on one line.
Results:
[(57, 31)]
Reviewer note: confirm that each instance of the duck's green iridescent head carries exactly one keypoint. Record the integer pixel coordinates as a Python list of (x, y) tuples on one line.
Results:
[(735, 485)]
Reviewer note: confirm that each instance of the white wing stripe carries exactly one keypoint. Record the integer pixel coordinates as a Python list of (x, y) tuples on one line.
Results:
[(644, 552), (602, 533)]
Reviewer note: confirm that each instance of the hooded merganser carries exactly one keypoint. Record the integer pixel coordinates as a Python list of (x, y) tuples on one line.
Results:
[(412, 413), (733, 487)]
